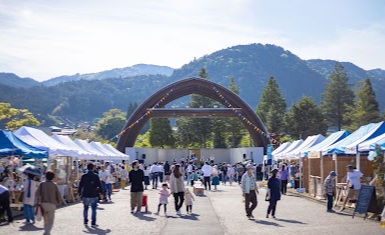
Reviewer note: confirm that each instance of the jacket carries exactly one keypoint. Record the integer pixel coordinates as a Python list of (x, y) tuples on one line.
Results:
[(89, 185), (176, 184), (48, 192), (246, 181)]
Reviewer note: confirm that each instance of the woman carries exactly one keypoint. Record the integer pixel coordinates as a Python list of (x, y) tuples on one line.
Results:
[(230, 174), (177, 187), (283, 175), (48, 196), (275, 195), (123, 177), (29, 189), (215, 177)]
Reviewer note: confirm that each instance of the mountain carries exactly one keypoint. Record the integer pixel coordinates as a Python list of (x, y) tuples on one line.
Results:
[(11, 79), (250, 65), (135, 70)]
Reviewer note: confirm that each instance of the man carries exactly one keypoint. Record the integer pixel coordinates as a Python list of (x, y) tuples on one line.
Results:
[(89, 188), (240, 171), (224, 173), (5, 203), (104, 179), (136, 178), (167, 171), (249, 190), (155, 175), (206, 175), (353, 181), (189, 170), (160, 168), (283, 177)]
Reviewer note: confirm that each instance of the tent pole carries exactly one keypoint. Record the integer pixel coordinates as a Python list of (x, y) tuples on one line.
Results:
[(358, 163)]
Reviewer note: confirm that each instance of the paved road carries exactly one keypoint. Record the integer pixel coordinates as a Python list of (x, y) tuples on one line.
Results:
[(220, 212)]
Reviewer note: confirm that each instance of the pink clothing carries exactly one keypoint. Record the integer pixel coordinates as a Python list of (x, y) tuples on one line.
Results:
[(188, 198), (163, 196)]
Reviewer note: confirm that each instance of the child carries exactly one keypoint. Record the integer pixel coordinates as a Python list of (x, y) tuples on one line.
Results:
[(194, 177), (328, 190), (189, 198), (164, 194), (146, 177)]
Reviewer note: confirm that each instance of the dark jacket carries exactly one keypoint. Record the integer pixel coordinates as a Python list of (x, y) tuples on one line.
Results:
[(136, 179), (274, 185), (89, 185), (166, 169)]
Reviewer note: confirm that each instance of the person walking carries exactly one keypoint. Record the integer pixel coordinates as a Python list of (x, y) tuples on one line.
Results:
[(353, 181), (215, 177), (249, 190), (136, 178), (189, 198), (89, 189), (329, 190), (147, 174), (284, 176), (224, 170), (5, 204), (29, 189), (161, 172), (167, 171), (49, 197), (207, 175), (155, 175), (273, 185), (163, 198), (230, 174), (177, 188), (123, 178), (104, 178)]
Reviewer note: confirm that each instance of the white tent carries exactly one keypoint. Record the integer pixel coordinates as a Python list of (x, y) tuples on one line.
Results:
[(111, 156), (39, 139), (65, 140), (308, 143), (87, 147), (366, 146), (280, 149), (114, 150), (293, 146)]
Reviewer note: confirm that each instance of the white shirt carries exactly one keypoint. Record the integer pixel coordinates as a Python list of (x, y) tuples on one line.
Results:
[(189, 168), (123, 174), (206, 170), (154, 169), (103, 175), (354, 179)]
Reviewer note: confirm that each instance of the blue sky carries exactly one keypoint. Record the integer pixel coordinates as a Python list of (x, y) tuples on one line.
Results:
[(44, 39)]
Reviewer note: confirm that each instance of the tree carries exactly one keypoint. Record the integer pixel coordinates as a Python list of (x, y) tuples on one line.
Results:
[(202, 126), (161, 133), (234, 126), (112, 124), (14, 118), (304, 119), (338, 96), (132, 106), (365, 109), (219, 138), (272, 106)]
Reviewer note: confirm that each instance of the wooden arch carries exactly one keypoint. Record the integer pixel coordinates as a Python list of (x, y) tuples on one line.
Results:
[(183, 88)]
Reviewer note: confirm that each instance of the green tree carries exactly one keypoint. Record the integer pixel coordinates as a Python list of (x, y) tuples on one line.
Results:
[(132, 106), (234, 126), (14, 118), (143, 141), (111, 124), (219, 133), (186, 136), (338, 96), (304, 119), (365, 109), (161, 133), (272, 107)]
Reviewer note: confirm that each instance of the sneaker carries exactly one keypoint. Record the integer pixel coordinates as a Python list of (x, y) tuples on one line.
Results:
[(273, 216), (132, 211), (252, 216), (267, 216), (94, 225), (156, 213), (86, 222)]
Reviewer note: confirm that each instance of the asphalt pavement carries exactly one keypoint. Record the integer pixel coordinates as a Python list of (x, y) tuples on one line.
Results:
[(218, 212)]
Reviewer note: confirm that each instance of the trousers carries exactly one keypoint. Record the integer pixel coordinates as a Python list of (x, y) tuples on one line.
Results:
[(49, 216), (250, 198)]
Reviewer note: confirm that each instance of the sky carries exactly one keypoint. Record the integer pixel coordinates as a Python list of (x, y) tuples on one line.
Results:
[(43, 39)]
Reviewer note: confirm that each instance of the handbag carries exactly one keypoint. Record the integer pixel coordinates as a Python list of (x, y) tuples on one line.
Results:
[(267, 198), (38, 212), (21, 196)]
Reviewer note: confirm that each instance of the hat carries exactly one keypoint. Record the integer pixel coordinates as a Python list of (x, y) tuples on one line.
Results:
[(332, 173), (249, 166), (350, 167), (274, 171)]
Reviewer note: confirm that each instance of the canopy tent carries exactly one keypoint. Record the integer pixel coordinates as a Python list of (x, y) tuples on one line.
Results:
[(308, 143), (65, 140), (114, 150), (370, 144), (292, 146), (317, 149), (378, 129), (39, 139), (11, 145), (111, 156), (340, 146), (83, 144), (281, 148)]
